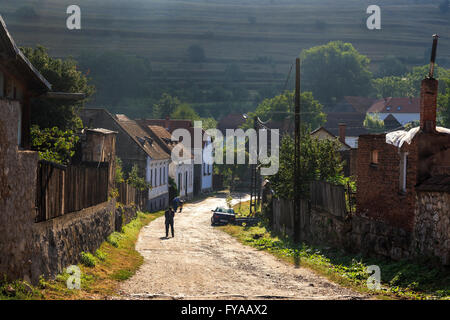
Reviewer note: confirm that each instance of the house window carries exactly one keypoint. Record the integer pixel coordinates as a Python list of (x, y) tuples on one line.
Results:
[(374, 157), (160, 176), (151, 177), (403, 171)]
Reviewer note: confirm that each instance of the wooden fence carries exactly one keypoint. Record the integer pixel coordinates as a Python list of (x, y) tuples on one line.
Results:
[(324, 197), (129, 195), (328, 197), (64, 189)]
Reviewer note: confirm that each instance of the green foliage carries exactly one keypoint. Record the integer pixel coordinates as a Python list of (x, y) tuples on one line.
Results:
[(196, 53), (17, 290), (173, 190), (391, 66), (122, 275), (136, 181), (64, 77), (319, 160), (373, 123), (281, 107), (184, 111), (114, 239), (100, 255), (393, 86), (54, 144), (87, 259), (444, 104), (165, 106), (119, 178), (335, 70), (229, 200), (405, 279), (118, 76)]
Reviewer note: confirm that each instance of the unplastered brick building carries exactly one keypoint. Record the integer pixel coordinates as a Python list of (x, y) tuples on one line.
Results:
[(396, 173)]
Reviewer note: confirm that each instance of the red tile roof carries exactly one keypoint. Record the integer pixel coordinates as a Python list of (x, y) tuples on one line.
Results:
[(396, 105), (154, 150)]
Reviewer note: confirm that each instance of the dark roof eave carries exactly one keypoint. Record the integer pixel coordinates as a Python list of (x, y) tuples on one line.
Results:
[(40, 84)]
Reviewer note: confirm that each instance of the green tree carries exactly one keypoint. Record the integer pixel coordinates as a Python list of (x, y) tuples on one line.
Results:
[(117, 76), (184, 111), (136, 181), (165, 106), (281, 107), (54, 144), (335, 70), (407, 85), (196, 53), (64, 77), (391, 66), (373, 123), (319, 160), (444, 104), (119, 178), (393, 86)]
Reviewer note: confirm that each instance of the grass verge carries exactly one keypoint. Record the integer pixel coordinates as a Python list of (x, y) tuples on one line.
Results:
[(116, 260), (399, 279)]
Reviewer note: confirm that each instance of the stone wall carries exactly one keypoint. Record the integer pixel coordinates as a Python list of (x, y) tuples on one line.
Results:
[(59, 242), (18, 171), (432, 225), (376, 238), (124, 215)]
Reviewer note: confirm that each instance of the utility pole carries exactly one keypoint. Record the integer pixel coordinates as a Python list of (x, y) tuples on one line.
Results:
[(297, 154)]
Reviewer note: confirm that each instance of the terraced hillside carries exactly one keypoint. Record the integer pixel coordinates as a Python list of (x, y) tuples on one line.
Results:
[(261, 36)]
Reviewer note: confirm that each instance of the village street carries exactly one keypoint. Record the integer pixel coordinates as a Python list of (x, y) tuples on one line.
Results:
[(202, 262)]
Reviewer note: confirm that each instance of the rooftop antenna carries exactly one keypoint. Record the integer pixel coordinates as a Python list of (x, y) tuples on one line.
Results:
[(433, 55)]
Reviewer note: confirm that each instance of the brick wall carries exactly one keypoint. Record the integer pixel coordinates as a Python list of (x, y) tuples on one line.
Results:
[(378, 185)]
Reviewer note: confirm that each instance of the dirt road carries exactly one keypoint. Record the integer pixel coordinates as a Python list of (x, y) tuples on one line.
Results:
[(202, 262)]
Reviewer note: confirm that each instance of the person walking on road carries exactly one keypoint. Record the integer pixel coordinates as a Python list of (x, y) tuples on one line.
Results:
[(176, 203), (169, 215)]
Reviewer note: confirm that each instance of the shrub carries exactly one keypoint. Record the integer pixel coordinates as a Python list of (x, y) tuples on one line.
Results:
[(88, 259), (114, 238), (100, 255)]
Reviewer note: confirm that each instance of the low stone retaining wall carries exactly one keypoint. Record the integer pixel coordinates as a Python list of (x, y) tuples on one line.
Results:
[(124, 215), (59, 242), (359, 234)]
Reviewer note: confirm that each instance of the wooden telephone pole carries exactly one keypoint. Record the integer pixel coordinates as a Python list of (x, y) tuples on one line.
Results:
[(297, 154)]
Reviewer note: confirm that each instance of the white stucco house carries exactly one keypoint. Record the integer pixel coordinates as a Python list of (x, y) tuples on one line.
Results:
[(181, 169), (404, 110)]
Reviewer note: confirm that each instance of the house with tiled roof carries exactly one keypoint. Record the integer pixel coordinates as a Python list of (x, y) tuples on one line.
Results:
[(181, 168), (134, 146), (404, 110), (202, 151)]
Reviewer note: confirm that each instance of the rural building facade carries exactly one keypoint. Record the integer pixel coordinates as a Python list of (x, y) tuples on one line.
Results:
[(403, 180), (49, 213), (182, 169), (404, 110), (135, 147), (203, 173)]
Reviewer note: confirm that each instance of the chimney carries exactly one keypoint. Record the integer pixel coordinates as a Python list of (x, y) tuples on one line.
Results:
[(428, 96), (342, 127)]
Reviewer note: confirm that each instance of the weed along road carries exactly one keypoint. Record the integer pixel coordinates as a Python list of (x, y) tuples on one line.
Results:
[(203, 262)]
